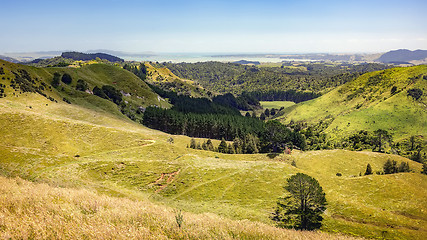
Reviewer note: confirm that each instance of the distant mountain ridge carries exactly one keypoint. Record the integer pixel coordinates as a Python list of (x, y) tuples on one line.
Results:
[(245, 62), (91, 56), (402, 56)]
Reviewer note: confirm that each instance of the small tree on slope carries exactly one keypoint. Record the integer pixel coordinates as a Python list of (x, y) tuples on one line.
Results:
[(303, 206), (368, 169)]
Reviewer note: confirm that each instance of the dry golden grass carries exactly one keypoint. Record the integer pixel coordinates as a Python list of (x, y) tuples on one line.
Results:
[(39, 211)]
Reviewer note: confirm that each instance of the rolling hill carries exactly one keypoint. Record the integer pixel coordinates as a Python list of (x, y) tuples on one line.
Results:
[(136, 93), (162, 77), (95, 170), (377, 100)]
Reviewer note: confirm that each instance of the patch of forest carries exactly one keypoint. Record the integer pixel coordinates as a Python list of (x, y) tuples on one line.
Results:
[(220, 119), (236, 78)]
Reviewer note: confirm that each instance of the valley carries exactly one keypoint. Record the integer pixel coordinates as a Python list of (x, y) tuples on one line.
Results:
[(89, 149)]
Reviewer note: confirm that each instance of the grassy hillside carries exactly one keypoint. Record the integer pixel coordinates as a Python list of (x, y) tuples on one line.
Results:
[(135, 92), (164, 78), (46, 212), (368, 103), (70, 145)]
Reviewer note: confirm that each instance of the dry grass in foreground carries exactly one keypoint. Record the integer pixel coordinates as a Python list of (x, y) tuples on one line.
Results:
[(39, 211)]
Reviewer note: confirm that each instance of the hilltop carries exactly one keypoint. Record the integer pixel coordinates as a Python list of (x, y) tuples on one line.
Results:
[(403, 56), (90, 56)]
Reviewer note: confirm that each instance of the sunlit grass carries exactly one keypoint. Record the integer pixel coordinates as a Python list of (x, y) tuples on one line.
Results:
[(39, 211)]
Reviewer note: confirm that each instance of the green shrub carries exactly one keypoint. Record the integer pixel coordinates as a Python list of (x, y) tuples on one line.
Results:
[(66, 78)]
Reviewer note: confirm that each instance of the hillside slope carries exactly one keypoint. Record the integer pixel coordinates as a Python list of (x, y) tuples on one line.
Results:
[(70, 145), (81, 214), (18, 79), (377, 100), (165, 79)]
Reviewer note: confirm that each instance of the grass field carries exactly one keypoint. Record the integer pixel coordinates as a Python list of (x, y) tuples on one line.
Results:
[(46, 212), (120, 158), (276, 104)]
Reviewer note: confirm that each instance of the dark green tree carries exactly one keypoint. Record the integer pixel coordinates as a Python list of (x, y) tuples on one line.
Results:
[(424, 171), (390, 167), (393, 90), (380, 138), (210, 145), (251, 144), (230, 149), (56, 79), (238, 145), (415, 93), (303, 206), (368, 169), (273, 112), (222, 148), (112, 93), (204, 146), (81, 85), (404, 167), (416, 156), (412, 141), (193, 143), (276, 137), (66, 78), (98, 92)]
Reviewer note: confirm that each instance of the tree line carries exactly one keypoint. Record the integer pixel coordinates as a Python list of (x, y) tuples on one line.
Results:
[(282, 95), (264, 137)]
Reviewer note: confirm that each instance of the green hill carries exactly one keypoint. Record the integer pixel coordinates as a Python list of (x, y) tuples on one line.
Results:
[(18, 79), (377, 100), (90, 145), (162, 77)]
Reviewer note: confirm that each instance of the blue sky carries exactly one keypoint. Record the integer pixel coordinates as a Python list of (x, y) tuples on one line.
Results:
[(267, 26)]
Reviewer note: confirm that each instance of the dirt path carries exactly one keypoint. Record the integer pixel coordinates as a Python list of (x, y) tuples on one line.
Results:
[(170, 178)]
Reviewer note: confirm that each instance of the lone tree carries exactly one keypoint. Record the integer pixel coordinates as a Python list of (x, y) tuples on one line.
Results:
[(368, 169), (66, 78), (303, 206)]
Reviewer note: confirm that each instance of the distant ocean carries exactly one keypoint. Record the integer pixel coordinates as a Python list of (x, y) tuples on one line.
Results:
[(193, 58)]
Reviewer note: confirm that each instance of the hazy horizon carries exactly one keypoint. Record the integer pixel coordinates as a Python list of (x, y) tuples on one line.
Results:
[(219, 26)]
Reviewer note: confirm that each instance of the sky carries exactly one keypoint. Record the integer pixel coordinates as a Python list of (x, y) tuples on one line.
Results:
[(216, 26)]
